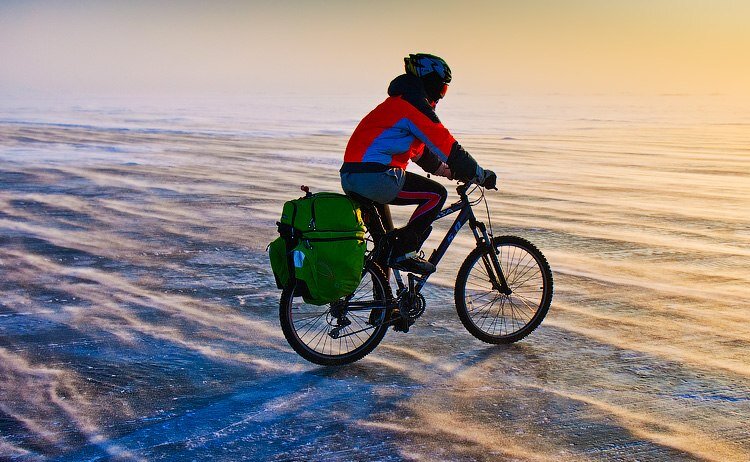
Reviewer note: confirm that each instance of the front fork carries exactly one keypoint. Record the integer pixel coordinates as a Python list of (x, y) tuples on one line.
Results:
[(491, 261)]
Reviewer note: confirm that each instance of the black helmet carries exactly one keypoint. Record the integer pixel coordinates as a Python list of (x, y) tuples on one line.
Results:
[(432, 70), (423, 64)]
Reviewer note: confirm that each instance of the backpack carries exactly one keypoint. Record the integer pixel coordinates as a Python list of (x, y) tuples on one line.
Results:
[(321, 247)]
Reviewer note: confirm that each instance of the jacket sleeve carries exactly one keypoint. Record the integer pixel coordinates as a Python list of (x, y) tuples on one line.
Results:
[(428, 161), (440, 142)]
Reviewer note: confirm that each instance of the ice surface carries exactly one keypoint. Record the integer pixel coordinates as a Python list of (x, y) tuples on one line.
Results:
[(139, 320)]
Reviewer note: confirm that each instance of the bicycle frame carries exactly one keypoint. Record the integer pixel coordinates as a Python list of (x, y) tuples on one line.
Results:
[(465, 215)]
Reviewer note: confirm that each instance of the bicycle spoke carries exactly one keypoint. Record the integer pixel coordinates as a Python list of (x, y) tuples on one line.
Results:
[(470, 299), (482, 312), (316, 316), (323, 336), (517, 309), (311, 324), (528, 269), (479, 308), (497, 314), (528, 303)]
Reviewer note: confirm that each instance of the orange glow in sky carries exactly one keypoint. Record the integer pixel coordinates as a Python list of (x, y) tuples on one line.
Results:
[(577, 46)]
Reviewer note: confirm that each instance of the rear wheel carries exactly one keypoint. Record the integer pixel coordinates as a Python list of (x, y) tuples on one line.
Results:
[(334, 334), (495, 317)]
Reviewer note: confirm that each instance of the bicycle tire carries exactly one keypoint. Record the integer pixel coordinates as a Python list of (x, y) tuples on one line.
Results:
[(485, 312), (305, 326)]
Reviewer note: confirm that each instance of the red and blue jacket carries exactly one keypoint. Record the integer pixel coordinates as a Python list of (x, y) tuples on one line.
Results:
[(405, 127)]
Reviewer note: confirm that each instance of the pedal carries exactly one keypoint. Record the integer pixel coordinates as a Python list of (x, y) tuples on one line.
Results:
[(400, 322), (401, 325)]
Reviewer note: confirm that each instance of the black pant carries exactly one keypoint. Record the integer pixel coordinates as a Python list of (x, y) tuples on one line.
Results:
[(429, 197)]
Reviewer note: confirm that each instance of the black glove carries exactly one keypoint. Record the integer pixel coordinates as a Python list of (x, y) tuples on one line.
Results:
[(463, 167), (490, 180)]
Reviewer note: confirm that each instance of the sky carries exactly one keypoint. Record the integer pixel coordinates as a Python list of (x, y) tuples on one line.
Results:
[(352, 47)]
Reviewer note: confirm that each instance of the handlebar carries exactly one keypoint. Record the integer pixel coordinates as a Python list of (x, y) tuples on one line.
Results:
[(464, 186)]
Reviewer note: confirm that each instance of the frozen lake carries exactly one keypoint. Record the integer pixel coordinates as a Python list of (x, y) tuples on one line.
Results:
[(139, 318)]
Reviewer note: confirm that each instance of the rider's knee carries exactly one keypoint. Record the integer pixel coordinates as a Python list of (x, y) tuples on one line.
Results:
[(443, 194)]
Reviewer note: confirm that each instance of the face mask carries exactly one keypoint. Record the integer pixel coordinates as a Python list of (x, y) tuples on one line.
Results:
[(444, 90), (434, 87)]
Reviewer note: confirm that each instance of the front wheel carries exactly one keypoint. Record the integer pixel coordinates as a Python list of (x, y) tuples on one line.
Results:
[(341, 332), (496, 317)]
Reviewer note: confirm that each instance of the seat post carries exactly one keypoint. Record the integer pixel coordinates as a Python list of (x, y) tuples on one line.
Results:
[(372, 217), (375, 225)]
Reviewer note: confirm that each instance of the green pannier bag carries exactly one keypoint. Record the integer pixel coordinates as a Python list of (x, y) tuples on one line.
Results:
[(321, 246)]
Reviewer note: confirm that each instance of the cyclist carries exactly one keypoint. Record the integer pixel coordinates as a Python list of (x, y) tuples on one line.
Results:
[(402, 128)]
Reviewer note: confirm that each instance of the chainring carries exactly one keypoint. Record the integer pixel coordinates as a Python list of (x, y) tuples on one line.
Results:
[(412, 305)]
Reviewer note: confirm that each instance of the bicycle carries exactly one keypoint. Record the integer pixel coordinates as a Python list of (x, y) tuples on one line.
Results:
[(502, 293)]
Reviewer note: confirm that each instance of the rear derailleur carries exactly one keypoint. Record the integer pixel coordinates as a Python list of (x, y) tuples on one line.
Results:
[(337, 318)]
